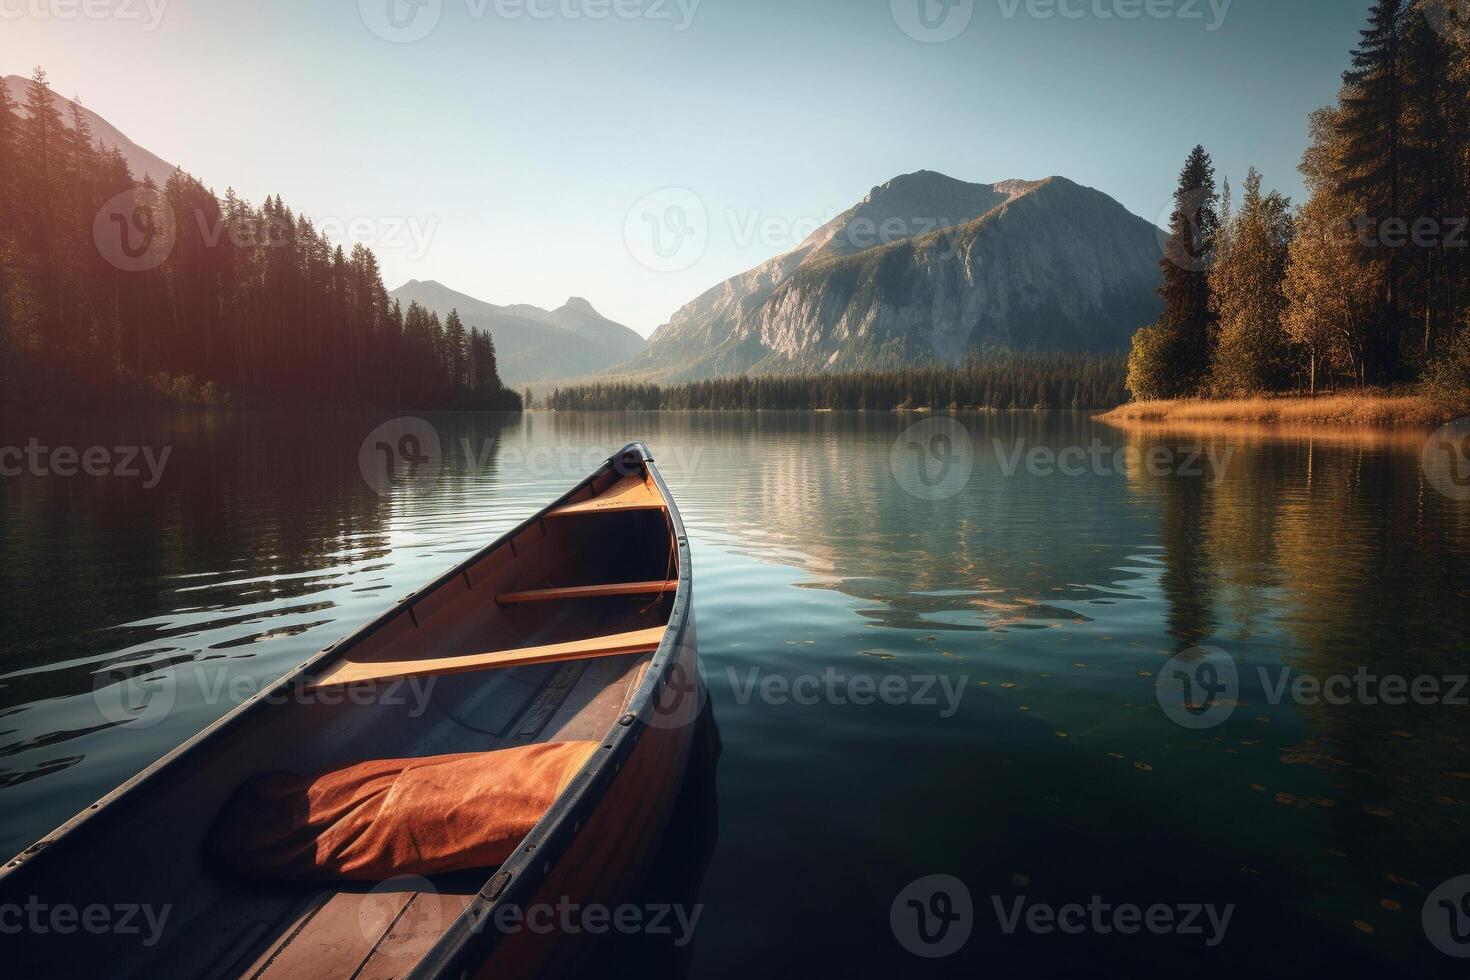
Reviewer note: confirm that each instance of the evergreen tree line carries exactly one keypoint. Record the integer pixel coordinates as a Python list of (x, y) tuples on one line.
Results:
[(242, 303), (1368, 282), (1021, 381)]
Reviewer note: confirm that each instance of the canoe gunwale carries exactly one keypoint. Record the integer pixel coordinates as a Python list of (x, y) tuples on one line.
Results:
[(522, 874)]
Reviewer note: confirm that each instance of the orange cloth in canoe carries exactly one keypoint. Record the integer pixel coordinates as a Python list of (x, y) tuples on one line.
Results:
[(379, 820)]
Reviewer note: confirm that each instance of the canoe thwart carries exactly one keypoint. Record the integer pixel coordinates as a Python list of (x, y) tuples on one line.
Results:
[(590, 592), (630, 493), (353, 672)]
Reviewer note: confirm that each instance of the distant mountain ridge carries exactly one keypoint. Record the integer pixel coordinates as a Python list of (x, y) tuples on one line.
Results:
[(141, 162), (533, 344), (927, 268)]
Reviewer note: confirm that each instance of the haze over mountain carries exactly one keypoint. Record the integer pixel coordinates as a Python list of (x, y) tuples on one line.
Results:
[(533, 344), (141, 162), (927, 268)]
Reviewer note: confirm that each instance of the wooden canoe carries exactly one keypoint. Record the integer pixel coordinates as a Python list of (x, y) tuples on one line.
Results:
[(577, 625)]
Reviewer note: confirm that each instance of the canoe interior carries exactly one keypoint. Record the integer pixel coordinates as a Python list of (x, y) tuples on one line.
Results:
[(150, 845)]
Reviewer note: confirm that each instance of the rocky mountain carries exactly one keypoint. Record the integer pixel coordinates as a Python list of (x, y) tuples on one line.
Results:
[(140, 161), (533, 344), (927, 268)]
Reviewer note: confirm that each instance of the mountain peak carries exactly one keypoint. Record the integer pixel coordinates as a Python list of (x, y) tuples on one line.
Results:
[(918, 182), (579, 305), (1020, 264), (533, 344)]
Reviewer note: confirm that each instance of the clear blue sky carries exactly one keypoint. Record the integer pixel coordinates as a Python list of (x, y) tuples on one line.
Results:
[(519, 144)]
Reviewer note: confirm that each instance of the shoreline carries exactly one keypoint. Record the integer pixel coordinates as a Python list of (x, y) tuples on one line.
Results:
[(1366, 408)]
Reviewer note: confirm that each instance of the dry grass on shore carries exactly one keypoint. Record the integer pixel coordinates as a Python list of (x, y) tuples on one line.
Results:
[(1350, 408)]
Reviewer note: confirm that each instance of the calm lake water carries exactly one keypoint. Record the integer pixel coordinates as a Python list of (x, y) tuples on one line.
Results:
[(1015, 620)]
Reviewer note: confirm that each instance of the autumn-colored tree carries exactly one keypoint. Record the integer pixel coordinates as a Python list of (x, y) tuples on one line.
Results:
[(1330, 304), (1252, 353), (1151, 372)]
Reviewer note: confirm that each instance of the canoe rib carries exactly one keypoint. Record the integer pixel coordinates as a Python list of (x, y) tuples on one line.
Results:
[(630, 493), (589, 592), (351, 672)]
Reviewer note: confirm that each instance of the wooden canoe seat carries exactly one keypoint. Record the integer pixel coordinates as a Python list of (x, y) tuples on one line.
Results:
[(634, 492), (353, 672), (590, 592)]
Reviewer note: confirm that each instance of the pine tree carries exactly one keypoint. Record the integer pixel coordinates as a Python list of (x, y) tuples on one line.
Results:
[(1173, 358), (457, 354), (1370, 170), (40, 182), (9, 162), (1429, 164)]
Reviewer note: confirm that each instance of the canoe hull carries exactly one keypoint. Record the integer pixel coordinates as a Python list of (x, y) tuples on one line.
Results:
[(611, 853), (148, 843)]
